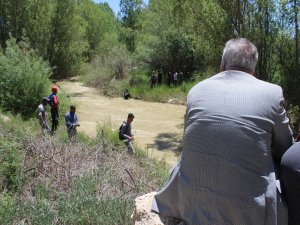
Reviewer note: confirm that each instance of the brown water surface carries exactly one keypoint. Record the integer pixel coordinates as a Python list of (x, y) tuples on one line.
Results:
[(157, 127)]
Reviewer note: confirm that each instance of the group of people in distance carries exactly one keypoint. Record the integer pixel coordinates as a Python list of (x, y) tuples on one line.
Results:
[(71, 119), (239, 164), (175, 79)]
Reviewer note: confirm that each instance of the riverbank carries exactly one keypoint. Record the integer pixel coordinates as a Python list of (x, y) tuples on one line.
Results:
[(158, 127)]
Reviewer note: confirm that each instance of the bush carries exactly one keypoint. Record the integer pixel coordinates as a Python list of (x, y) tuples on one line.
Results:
[(87, 182), (106, 131), (10, 166), (8, 208), (23, 78)]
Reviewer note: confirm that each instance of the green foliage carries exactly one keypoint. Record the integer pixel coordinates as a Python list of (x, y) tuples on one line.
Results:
[(24, 79), (108, 67), (8, 208), (38, 212), (13, 16), (81, 205), (294, 116), (67, 43), (10, 165), (96, 196), (38, 25), (100, 22), (130, 11), (106, 131)]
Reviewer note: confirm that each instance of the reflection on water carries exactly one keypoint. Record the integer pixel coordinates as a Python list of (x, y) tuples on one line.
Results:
[(157, 127)]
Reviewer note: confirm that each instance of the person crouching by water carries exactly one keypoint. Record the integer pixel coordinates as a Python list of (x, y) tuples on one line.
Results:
[(42, 115), (126, 94), (125, 133), (72, 123)]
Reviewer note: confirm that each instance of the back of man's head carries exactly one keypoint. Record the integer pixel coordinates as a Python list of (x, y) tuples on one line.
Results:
[(240, 53), (72, 108), (130, 115)]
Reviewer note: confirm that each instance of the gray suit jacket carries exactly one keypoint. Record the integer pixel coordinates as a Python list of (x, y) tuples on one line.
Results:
[(235, 127)]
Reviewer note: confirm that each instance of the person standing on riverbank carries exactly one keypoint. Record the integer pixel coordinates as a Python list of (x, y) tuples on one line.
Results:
[(72, 123), (125, 133), (42, 115), (153, 79), (232, 148), (53, 102)]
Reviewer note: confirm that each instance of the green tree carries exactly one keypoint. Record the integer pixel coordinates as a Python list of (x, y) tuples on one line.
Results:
[(130, 11), (13, 16), (38, 25), (24, 78), (67, 43), (100, 21)]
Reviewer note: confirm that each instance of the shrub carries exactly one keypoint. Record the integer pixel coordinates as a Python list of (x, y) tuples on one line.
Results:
[(8, 208), (10, 166), (106, 131), (23, 78)]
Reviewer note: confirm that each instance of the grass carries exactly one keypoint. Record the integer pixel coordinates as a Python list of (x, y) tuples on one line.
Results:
[(138, 84), (92, 181)]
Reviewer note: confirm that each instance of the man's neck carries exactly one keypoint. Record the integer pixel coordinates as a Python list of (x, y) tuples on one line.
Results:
[(239, 68)]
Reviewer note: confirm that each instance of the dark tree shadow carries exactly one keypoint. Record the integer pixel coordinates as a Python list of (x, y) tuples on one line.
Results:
[(168, 141), (81, 94)]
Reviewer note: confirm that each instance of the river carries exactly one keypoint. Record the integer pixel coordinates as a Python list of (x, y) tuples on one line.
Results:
[(158, 127)]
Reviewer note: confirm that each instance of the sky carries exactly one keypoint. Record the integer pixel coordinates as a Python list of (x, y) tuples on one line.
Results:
[(114, 4)]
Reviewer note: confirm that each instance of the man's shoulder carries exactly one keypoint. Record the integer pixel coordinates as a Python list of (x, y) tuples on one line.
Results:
[(41, 107)]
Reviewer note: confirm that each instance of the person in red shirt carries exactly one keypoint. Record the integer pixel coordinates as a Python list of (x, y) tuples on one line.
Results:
[(53, 102)]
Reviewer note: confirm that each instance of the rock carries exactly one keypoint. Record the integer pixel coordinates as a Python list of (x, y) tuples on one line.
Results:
[(142, 214), (175, 101), (4, 118), (171, 101)]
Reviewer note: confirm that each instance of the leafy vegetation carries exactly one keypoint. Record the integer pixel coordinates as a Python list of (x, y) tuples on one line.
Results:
[(48, 180), (62, 38), (24, 78)]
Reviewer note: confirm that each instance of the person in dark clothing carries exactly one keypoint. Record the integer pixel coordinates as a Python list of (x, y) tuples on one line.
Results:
[(153, 79), (169, 79), (125, 133), (72, 123), (126, 94), (53, 102), (159, 78), (290, 179)]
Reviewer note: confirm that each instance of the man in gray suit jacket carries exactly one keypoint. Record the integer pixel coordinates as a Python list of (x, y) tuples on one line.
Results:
[(290, 177), (236, 132)]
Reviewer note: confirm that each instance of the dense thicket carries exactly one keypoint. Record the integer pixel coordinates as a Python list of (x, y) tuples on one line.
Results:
[(64, 32), (189, 35), (24, 78)]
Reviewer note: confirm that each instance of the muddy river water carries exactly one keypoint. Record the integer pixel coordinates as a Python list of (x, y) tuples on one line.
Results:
[(158, 127)]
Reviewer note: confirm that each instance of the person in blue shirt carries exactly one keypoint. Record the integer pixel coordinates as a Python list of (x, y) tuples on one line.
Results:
[(72, 123)]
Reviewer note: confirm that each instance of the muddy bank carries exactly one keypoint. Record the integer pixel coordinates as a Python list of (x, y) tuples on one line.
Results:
[(157, 127)]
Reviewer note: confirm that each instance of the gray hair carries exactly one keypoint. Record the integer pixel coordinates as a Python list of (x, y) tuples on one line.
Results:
[(240, 53)]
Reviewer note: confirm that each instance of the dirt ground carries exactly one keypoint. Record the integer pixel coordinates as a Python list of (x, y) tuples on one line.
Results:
[(157, 127)]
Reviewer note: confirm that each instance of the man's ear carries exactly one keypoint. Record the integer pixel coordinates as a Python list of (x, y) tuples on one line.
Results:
[(222, 66)]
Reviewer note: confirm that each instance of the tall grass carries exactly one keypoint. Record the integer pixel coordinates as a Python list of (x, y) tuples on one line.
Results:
[(138, 84), (58, 182)]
